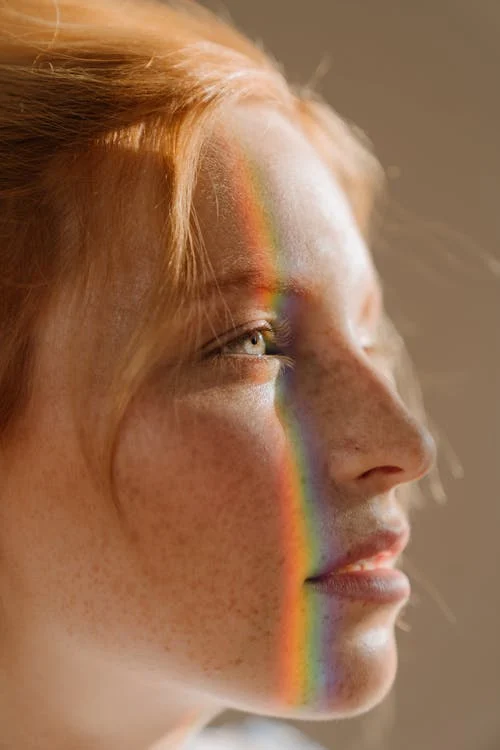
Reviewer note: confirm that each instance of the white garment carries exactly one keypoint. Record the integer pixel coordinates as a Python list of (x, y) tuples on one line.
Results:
[(254, 733)]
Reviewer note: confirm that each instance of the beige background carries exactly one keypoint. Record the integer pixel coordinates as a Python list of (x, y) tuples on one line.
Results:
[(421, 77)]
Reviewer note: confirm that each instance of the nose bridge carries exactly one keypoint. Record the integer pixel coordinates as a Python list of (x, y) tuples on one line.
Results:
[(363, 424)]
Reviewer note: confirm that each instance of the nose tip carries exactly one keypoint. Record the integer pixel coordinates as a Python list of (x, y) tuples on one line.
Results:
[(405, 457), (415, 460)]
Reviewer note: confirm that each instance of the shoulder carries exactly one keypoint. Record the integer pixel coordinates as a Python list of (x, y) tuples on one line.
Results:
[(255, 733)]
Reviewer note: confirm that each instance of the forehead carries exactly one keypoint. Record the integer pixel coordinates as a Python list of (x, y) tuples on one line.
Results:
[(267, 204)]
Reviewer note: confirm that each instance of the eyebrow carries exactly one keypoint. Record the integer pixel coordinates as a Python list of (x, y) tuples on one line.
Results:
[(258, 280)]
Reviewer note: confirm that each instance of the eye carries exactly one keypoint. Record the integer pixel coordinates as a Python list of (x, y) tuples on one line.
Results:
[(258, 342)]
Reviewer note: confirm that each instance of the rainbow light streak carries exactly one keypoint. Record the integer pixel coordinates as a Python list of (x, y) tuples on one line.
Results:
[(304, 665)]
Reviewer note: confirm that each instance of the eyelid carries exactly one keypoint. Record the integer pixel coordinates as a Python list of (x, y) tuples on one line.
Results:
[(280, 328), (214, 357)]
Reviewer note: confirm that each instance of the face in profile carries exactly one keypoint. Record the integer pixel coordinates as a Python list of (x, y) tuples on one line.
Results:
[(277, 454)]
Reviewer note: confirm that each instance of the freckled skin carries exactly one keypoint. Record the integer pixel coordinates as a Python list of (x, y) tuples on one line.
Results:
[(117, 632)]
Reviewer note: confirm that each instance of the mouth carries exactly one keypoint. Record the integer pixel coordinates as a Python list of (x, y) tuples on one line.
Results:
[(367, 572), (382, 560)]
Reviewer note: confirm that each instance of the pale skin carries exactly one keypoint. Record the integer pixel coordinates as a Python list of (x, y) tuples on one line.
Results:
[(133, 635)]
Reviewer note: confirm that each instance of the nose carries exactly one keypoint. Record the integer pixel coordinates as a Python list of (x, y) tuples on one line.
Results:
[(368, 433), (380, 461)]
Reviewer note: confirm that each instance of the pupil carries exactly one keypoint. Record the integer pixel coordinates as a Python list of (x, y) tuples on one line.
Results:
[(255, 339)]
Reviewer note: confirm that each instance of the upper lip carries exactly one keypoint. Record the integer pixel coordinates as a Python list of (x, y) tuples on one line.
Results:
[(389, 541)]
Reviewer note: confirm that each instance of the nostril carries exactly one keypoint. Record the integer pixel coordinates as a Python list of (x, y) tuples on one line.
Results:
[(385, 469)]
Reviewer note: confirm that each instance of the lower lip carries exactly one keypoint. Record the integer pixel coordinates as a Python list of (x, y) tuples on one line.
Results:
[(384, 585)]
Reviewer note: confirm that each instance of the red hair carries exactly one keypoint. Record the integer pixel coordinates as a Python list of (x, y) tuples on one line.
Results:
[(92, 93)]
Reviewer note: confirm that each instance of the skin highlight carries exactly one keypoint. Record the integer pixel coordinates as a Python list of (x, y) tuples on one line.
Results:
[(136, 632)]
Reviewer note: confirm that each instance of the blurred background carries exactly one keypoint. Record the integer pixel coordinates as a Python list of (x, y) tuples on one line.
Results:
[(421, 78)]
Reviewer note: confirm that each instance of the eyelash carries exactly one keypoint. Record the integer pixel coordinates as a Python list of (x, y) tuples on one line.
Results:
[(280, 331)]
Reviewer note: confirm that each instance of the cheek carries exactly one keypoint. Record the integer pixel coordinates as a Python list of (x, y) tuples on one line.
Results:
[(195, 476), (201, 490)]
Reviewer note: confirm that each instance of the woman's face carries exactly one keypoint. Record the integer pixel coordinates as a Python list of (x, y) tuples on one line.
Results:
[(235, 487)]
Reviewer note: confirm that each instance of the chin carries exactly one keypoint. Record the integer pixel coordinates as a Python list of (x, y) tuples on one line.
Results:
[(349, 671), (366, 674), (357, 677)]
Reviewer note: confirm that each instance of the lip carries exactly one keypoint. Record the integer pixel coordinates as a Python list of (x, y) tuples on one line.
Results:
[(389, 541), (382, 584)]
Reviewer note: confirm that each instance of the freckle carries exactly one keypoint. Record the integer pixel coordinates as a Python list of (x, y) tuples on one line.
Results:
[(134, 536), (129, 588), (182, 538), (71, 601)]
